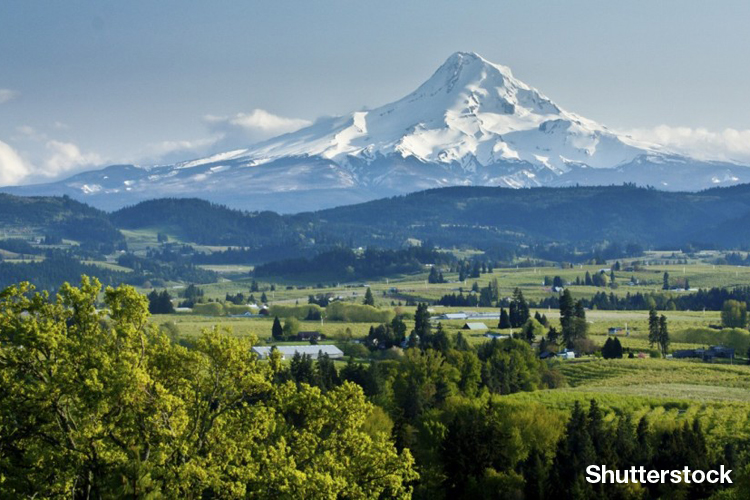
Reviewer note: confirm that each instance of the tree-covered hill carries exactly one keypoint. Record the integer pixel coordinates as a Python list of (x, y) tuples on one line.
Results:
[(498, 220), (480, 217), (203, 222), (571, 215), (60, 217)]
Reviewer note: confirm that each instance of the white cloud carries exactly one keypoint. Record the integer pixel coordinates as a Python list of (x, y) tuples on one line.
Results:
[(244, 129), (167, 152), (12, 167), (66, 157), (725, 145), (8, 95)]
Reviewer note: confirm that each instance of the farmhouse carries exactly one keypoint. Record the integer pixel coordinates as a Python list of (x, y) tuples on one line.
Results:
[(288, 352), (474, 326), (566, 354)]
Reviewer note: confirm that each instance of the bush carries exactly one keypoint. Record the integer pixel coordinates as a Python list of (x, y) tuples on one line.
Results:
[(209, 309), (355, 350), (236, 309)]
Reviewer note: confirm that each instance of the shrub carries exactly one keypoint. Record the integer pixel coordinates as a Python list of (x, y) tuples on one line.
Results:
[(209, 309)]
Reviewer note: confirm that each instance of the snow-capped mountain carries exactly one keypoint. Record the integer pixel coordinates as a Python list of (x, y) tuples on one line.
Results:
[(471, 123)]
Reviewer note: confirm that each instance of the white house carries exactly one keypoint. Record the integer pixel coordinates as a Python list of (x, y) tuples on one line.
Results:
[(566, 354)]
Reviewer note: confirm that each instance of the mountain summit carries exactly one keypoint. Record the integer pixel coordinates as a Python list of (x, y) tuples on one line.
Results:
[(472, 113), (471, 123)]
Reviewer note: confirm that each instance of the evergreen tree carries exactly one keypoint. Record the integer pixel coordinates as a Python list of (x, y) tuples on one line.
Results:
[(552, 335), (653, 327), (277, 331), (422, 327), (536, 473), (434, 276), (588, 281), (461, 343), (575, 452), (617, 348), (264, 298), (663, 335), (625, 446), (441, 341), (567, 317), (643, 439), (302, 369), (369, 299), (504, 322), (160, 303), (665, 286), (519, 309), (399, 329), (607, 349), (327, 376), (599, 435)]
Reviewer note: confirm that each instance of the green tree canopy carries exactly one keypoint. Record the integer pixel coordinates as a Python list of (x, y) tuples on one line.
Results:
[(99, 403)]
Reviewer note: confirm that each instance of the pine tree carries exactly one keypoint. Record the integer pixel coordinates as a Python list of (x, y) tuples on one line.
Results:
[(567, 316), (519, 309), (665, 286), (653, 327), (277, 331), (607, 349), (617, 349), (535, 472), (422, 327), (643, 438), (504, 320), (433, 277), (588, 281), (552, 335), (625, 446), (461, 343), (663, 335), (328, 377), (574, 453), (441, 341), (264, 298), (302, 369), (369, 299)]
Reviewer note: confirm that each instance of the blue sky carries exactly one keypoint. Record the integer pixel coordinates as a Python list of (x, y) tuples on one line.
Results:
[(86, 83)]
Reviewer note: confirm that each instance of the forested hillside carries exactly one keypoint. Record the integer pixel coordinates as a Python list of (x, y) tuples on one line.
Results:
[(58, 217), (480, 217)]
